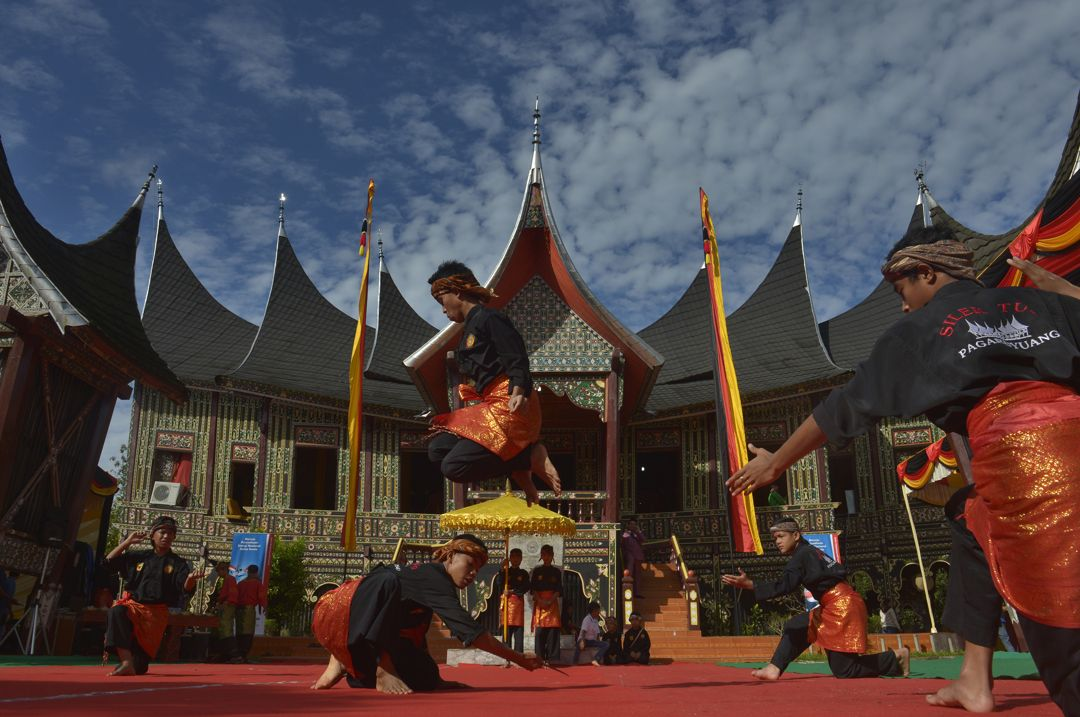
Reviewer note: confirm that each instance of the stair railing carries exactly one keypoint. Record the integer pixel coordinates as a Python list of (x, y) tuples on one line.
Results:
[(687, 578), (689, 584)]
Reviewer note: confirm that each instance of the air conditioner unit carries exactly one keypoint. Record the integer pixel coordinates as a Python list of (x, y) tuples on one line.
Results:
[(165, 493)]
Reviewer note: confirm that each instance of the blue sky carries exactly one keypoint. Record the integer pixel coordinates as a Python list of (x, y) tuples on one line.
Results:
[(643, 101)]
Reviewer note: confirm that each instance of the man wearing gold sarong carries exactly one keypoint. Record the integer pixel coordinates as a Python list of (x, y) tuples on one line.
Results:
[(498, 433), (837, 624), (546, 585), (511, 584), (154, 581), (1001, 366)]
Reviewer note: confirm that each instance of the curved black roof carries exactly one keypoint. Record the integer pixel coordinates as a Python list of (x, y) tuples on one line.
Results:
[(197, 336), (304, 341), (410, 332), (87, 284), (774, 336)]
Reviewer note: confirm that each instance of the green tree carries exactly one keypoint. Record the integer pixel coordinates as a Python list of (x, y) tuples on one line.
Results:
[(289, 581)]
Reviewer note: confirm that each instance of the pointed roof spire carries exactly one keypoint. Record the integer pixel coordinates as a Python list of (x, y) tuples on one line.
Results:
[(534, 170), (281, 216), (160, 200), (378, 234), (145, 188), (798, 208)]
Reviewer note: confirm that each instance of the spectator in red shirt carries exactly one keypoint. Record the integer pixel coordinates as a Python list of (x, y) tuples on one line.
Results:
[(251, 597)]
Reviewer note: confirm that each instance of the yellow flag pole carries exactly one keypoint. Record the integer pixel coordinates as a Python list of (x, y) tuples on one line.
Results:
[(918, 555), (505, 597)]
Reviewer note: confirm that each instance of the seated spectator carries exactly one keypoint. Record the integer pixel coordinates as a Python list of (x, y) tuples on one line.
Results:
[(590, 636), (613, 637), (636, 644)]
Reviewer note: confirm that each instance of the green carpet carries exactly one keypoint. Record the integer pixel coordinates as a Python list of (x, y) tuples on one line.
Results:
[(1007, 665), (47, 660)]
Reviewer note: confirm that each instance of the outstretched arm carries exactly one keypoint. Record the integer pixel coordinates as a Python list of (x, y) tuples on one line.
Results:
[(487, 643), (766, 467), (1045, 280)]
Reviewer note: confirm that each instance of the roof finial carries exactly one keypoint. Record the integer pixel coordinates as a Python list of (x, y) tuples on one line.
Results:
[(160, 194), (798, 206), (145, 187), (281, 215), (920, 176), (536, 121), (378, 234)]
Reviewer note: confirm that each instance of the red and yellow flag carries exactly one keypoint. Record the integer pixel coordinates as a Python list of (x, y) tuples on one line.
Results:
[(356, 384), (743, 519)]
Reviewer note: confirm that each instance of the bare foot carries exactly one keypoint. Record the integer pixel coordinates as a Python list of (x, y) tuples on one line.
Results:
[(543, 467), (122, 670), (525, 482), (959, 694), (331, 676), (903, 656), (390, 683), (768, 673)]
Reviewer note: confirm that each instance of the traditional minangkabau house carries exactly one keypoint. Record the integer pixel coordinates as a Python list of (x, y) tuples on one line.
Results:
[(629, 417), (71, 342)]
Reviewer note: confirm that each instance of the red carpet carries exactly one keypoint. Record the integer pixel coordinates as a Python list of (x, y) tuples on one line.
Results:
[(196, 690)]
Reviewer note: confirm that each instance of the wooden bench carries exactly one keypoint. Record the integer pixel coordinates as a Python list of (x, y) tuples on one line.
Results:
[(170, 644)]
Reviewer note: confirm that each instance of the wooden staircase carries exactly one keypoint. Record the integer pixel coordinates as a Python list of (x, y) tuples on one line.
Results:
[(666, 614)]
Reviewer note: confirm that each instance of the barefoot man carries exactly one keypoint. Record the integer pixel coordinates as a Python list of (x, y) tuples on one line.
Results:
[(1002, 367), (499, 432), (154, 581), (375, 627), (838, 624)]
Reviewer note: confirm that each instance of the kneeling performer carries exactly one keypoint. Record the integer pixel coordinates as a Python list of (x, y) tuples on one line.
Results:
[(375, 627), (838, 624)]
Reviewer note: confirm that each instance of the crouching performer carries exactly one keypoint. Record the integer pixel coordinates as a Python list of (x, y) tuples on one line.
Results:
[(375, 627), (838, 624), (154, 581)]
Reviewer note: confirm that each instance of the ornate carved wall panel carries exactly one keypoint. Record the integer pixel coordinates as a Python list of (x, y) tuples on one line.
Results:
[(172, 427), (556, 338)]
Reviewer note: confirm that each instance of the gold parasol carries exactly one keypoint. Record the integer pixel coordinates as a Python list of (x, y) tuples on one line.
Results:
[(507, 514)]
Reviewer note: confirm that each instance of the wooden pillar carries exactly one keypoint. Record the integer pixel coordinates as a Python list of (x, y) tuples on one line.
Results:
[(137, 397), (453, 378), (264, 456), (714, 476), (99, 419), (211, 455), (369, 463), (15, 384), (611, 438)]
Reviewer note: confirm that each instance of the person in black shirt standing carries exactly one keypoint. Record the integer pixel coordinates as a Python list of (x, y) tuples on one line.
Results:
[(512, 602), (154, 581), (499, 433), (375, 627), (546, 586), (1001, 366), (838, 624)]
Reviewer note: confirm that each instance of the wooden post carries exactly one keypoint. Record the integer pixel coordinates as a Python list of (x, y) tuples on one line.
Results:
[(627, 596), (611, 438), (15, 384), (211, 455), (264, 457), (453, 378)]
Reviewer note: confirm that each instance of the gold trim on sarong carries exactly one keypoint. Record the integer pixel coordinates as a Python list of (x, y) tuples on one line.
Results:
[(490, 422), (1025, 508), (839, 622)]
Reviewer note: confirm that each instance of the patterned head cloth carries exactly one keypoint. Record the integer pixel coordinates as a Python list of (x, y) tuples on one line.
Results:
[(464, 543), (464, 284), (163, 521), (786, 524), (949, 257)]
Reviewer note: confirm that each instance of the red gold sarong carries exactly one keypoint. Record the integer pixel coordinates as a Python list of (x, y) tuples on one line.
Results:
[(330, 623), (513, 607), (1024, 511), (546, 609), (149, 622), (490, 422), (839, 622)]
